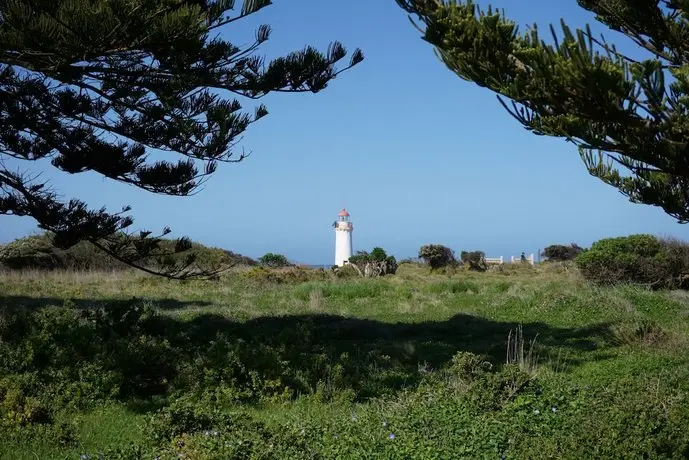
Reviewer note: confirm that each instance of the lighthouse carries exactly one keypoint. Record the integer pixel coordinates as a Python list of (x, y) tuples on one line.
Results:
[(343, 238)]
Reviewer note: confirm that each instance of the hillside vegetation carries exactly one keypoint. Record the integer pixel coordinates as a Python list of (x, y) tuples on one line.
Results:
[(39, 252), (527, 362)]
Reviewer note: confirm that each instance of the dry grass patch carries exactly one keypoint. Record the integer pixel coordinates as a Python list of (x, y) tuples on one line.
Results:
[(643, 332), (316, 300)]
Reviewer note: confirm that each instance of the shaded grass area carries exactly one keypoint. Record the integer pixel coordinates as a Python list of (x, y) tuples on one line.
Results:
[(142, 367)]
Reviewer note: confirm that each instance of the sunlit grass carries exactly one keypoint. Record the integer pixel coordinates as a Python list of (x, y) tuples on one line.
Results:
[(379, 351)]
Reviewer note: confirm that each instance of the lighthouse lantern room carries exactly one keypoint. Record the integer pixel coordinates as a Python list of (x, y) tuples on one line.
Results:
[(343, 238)]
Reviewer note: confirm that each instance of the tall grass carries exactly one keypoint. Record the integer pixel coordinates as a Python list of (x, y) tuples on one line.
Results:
[(515, 351)]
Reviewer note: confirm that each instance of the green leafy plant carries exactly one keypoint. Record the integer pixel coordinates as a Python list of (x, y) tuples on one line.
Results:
[(640, 259), (40, 252), (273, 260), (562, 253), (437, 256), (375, 263)]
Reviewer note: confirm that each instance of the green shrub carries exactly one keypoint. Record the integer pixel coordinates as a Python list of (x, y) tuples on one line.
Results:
[(469, 366), (638, 259), (17, 409), (561, 253), (263, 275), (436, 255), (184, 416), (375, 263), (67, 358), (273, 260), (39, 252), (347, 271), (360, 258)]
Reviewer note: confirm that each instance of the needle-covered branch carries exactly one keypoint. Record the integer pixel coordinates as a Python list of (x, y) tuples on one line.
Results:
[(621, 112), (101, 85)]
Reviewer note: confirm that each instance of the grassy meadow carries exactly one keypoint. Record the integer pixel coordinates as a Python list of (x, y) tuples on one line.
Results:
[(524, 363)]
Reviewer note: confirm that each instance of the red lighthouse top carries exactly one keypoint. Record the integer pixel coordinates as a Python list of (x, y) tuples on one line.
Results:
[(343, 213)]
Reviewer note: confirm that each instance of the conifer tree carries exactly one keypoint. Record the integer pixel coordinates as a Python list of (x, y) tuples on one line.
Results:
[(628, 116), (144, 92)]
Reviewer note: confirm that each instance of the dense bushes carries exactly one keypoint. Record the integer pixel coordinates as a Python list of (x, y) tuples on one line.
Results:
[(39, 252), (437, 255), (273, 260), (375, 263), (639, 259), (561, 253), (69, 357)]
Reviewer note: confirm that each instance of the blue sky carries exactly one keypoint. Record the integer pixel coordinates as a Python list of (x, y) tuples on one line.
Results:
[(416, 155)]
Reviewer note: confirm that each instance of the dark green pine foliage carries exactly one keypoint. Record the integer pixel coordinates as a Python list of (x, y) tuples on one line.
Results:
[(140, 91), (628, 116)]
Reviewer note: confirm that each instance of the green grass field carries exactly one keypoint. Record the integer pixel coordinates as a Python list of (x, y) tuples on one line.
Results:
[(414, 365)]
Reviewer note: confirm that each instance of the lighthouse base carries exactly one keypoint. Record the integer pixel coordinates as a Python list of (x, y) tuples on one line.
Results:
[(343, 247)]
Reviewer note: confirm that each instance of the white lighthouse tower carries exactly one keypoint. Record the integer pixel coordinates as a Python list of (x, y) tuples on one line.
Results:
[(343, 238)]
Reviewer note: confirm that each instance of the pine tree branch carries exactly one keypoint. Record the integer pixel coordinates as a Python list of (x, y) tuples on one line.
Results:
[(607, 102), (96, 88)]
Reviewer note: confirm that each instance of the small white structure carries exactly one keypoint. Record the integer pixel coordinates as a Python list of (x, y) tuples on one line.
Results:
[(343, 238), (531, 259), (495, 260)]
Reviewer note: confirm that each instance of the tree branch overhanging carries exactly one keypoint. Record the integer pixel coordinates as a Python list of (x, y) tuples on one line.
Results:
[(96, 86), (582, 89)]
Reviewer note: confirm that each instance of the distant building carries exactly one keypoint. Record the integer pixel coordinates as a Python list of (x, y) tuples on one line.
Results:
[(343, 238)]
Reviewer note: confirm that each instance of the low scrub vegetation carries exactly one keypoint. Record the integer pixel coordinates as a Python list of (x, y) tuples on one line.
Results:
[(375, 263), (437, 256), (39, 252), (288, 275), (273, 260), (637, 259), (471, 365), (562, 253), (290, 362)]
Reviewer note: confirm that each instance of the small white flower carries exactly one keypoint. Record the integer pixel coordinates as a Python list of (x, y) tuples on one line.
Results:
[(554, 409)]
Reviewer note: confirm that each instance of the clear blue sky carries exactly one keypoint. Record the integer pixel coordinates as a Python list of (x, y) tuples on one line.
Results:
[(416, 155)]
